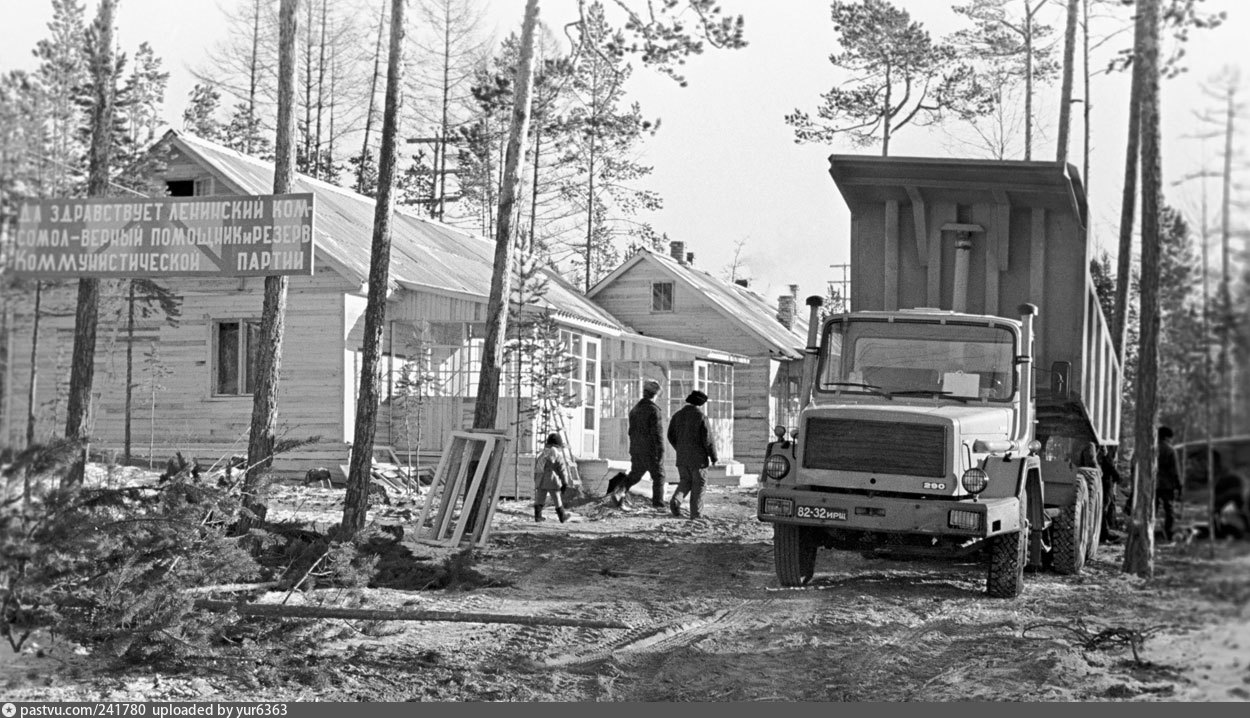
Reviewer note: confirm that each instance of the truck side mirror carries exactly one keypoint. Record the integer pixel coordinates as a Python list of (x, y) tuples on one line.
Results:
[(1060, 379)]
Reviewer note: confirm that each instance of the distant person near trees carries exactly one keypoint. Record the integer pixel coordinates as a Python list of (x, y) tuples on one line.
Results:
[(1168, 483), (646, 448), (690, 433)]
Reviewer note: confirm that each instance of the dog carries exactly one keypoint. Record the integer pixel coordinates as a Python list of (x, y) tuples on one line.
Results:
[(616, 482)]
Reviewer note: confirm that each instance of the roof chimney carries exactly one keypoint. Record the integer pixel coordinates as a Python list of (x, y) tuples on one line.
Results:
[(785, 310), (744, 283), (689, 257), (678, 251), (794, 292)]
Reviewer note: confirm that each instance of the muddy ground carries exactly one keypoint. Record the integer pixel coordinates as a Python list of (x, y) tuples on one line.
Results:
[(708, 622)]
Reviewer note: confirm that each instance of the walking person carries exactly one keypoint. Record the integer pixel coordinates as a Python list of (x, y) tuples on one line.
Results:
[(1168, 482), (551, 476), (690, 433), (646, 448)]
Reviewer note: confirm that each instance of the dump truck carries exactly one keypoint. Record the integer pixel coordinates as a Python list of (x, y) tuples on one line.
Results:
[(957, 409)]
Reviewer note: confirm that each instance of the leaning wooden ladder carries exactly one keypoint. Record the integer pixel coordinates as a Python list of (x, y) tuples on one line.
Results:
[(463, 503)]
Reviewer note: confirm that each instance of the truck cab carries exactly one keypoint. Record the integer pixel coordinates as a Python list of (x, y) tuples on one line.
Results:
[(923, 430)]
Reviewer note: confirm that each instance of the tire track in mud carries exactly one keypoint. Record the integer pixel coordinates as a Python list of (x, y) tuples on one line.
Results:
[(649, 640)]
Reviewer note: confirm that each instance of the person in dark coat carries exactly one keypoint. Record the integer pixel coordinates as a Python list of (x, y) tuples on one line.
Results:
[(646, 448), (1168, 481), (691, 436)]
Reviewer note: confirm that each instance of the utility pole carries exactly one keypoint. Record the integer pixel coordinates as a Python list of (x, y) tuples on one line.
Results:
[(843, 284)]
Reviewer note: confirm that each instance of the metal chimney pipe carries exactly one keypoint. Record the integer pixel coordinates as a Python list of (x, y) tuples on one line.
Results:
[(963, 253)]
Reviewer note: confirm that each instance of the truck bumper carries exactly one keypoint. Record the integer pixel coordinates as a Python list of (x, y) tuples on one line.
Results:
[(851, 512)]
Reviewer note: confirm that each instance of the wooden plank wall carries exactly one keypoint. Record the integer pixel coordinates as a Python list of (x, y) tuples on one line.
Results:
[(186, 411)]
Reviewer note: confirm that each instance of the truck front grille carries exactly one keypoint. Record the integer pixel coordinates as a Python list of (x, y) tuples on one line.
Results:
[(878, 447)]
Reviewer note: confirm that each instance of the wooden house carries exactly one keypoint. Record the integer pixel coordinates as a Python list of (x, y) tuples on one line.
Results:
[(193, 382), (666, 296)]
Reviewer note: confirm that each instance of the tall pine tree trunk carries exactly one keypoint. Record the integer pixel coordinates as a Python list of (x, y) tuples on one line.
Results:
[(1085, 109), (1139, 549), (1065, 99), (1124, 259), (1227, 316), (130, 367), (373, 91), (82, 372), (253, 69), (32, 389), (273, 313), (487, 406), (356, 503), (1028, 81), (321, 78)]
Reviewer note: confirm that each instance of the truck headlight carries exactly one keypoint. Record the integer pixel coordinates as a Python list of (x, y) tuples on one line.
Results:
[(975, 480), (776, 467)]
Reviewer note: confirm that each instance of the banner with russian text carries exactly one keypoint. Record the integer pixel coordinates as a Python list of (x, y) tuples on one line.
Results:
[(222, 236)]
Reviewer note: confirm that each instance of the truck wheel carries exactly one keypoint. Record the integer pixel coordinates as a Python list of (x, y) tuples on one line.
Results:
[(1093, 511), (794, 551), (1008, 554), (1068, 536)]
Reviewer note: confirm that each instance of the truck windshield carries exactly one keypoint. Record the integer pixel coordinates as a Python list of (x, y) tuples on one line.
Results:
[(915, 358)]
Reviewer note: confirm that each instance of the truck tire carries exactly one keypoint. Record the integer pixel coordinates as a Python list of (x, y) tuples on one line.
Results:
[(1093, 511), (1008, 554), (1067, 539), (794, 552)]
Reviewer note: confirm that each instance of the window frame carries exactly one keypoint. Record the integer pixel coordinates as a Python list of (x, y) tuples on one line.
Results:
[(241, 356), (672, 298)]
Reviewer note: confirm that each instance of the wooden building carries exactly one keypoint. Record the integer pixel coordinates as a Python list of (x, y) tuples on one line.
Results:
[(666, 296), (192, 381)]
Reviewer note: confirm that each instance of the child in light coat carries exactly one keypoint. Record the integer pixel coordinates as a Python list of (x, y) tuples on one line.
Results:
[(551, 476)]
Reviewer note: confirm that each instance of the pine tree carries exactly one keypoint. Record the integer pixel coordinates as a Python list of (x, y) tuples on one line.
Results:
[(901, 77), (1008, 50), (603, 139)]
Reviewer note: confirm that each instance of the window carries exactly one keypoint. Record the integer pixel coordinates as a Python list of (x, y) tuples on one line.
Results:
[(661, 296), (181, 188), (235, 345)]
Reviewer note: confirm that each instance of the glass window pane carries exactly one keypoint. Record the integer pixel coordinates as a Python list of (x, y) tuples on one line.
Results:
[(227, 358)]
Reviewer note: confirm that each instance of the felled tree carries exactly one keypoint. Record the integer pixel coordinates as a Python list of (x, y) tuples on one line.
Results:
[(898, 76)]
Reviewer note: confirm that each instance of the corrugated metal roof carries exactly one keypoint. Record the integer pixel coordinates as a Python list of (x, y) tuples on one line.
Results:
[(424, 254), (752, 311)]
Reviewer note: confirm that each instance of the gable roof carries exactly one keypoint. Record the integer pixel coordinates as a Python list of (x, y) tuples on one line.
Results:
[(425, 255), (746, 308)]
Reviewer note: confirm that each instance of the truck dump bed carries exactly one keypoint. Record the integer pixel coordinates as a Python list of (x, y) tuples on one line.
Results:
[(1023, 229)]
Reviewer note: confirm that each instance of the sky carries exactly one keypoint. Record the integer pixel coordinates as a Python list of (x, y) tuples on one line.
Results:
[(724, 160)]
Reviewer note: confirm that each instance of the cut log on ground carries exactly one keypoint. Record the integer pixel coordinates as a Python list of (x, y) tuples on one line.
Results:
[(365, 614)]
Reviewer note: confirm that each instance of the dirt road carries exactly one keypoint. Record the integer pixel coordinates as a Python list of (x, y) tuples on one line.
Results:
[(709, 623)]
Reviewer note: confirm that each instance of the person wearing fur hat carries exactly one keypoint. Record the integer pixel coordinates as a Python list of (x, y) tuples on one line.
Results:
[(551, 476), (690, 433), (646, 448)]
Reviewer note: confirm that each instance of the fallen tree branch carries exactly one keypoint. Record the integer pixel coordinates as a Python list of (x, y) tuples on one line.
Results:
[(282, 611), (1106, 638), (234, 587), (615, 573)]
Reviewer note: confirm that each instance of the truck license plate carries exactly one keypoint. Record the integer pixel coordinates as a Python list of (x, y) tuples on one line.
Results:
[(821, 512)]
